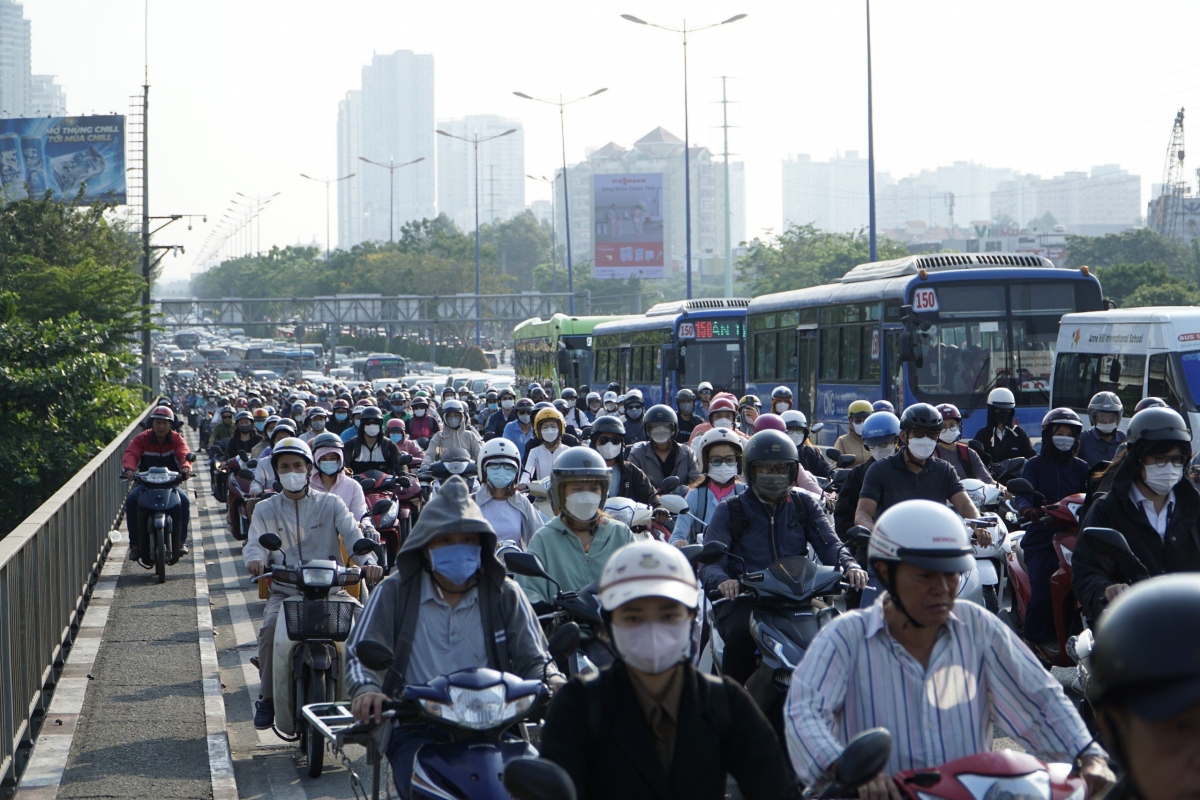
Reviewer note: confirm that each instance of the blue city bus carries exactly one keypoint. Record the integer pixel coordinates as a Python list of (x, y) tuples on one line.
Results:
[(672, 346), (941, 328)]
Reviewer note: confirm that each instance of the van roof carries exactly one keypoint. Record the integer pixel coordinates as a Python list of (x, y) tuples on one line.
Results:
[(1134, 315)]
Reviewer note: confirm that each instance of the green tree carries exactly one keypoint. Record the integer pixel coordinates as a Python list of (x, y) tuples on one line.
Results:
[(521, 244), (804, 255), (1138, 246), (1173, 293)]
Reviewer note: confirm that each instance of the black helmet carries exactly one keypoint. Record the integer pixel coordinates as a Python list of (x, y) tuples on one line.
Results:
[(524, 404), (1150, 402), (576, 464), (608, 424), (769, 445), (662, 415), (569, 394), (685, 395), (1147, 652), (781, 393), (921, 415), (1061, 416), (1104, 401), (1158, 425), (370, 412)]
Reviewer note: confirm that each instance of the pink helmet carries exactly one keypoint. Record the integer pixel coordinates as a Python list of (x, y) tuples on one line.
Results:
[(723, 402), (770, 422)]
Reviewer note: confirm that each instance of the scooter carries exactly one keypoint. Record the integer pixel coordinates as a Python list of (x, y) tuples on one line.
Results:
[(157, 537), (218, 478), (581, 609), (970, 584), (308, 646), (983, 776), (1063, 516), (241, 478), (392, 510), (991, 560)]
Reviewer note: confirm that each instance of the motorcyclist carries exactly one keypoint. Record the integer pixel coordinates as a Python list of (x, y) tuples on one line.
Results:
[(575, 545), (159, 446), (491, 404), (260, 416), (635, 407), (1145, 690), (883, 405), (781, 400), (913, 473), (1056, 473), (594, 406), (875, 666), (447, 606), (370, 449), (1100, 442), (264, 475), (850, 442), (1002, 438), (268, 435), (608, 439), (722, 413), (520, 430), (772, 522), (423, 424), (610, 403), (720, 454), (314, 422), (510, 513), (457, 433), (685, 402), (653, 725), (507, 399), (704, 395), (575, 415), (881, 435), (954, 451), (549, 425), (811, 458), (330, 476), (223, 428), (662, 457), (244, 436), (1152, 503), (309, 523), (398, 435), (340, 420), (749, 407)]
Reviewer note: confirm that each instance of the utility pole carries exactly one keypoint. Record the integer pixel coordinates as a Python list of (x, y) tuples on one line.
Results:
[(728, 211), (147, 370), (870, 142)]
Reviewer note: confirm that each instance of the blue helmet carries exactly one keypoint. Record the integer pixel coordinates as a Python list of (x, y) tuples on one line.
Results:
[(883, 405), (881, 428)]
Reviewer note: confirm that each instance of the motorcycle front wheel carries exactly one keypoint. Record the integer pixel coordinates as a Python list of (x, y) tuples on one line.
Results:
[(160, 553)]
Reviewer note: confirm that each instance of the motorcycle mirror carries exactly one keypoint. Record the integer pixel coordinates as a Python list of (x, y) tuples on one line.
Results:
[(271, 541), (1020, 486), (404, 459), (527, 564), (712, 552), (363, 546), (191, 457), (277, 487), (423, 442), (381, 507), (859, 533), (374, 655), (245, 474), (669, 485), (983, 456), (864, 758), (565, 641), (1108, 541), (692, 552), (673, 502), (846, 461), (538, 779), (252, 463), (833, 454), (817, 427)]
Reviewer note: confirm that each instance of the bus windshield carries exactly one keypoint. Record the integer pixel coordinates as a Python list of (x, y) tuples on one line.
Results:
[(718, 362), (986, 335)]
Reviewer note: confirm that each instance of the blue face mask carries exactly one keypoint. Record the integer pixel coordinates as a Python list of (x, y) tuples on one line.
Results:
[(501, 475), (456, 562), (260, 425), (340, 417), (396, 437), (491, 406)]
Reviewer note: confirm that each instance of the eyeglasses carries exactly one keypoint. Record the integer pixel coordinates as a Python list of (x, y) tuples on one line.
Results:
[(774, 468), (1162, 461), (603, 440), (726, 461)]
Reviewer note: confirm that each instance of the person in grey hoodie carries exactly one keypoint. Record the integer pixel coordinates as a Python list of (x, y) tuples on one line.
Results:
[(447, 606)]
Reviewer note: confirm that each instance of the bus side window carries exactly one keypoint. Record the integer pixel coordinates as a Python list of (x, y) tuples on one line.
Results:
[(1161, 383)]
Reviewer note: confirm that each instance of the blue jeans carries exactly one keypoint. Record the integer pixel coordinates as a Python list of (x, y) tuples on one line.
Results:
[(402, 749), (179, 516), (1042, 563)]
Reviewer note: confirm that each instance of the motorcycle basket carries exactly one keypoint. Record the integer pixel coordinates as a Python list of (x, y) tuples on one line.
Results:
[(319, 619)]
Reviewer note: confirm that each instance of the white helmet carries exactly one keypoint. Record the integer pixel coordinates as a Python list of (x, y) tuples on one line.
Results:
[(610, 397), (925, 534), (716, 436), (647, 569), (1001, 397), (498, 449), (794, 419), (450, 405)]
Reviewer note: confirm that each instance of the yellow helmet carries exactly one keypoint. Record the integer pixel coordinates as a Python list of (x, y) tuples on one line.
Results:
[(860, 407), (548, 414)]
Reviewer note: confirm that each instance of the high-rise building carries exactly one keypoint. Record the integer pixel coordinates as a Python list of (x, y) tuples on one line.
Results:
[(48, 98), (501, 170), (16, 71), (390, 119), (661, 151), (1108, 199), (829, 194)]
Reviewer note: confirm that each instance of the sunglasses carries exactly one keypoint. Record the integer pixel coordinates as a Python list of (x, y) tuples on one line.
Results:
[(602, 440)]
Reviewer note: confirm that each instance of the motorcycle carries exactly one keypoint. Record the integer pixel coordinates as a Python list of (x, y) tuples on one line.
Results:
[(1063, 518), (392, 510), (991, 560), (638, 517), (240, 479), (218, 478), (308, 646), (433, 475), (970, 584), (157, 537), (983, 776)]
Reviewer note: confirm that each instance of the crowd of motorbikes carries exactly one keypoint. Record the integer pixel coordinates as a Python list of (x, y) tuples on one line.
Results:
[(493, 717)]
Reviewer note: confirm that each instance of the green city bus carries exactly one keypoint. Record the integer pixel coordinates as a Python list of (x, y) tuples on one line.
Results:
[(555, 352)]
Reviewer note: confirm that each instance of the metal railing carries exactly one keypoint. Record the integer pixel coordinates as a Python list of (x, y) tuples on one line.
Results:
[(48, 567)]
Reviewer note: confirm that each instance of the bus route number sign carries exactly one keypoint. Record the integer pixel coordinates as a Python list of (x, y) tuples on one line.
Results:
[(925, 300)]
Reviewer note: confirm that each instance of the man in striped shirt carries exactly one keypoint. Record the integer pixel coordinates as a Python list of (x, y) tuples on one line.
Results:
[(935, 674)]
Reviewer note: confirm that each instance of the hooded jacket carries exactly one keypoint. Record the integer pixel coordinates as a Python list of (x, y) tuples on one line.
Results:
[(514, 638), (349, 490), (1006, 443), (446, 438)]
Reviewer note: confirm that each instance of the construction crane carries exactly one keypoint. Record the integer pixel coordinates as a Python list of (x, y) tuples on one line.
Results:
[(1170, 201)]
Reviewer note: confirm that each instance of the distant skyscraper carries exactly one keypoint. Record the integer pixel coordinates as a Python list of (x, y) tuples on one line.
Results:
[(1108, 198), (48, 99), (15, 62), (391, 118), (829, 194), (501, 171)]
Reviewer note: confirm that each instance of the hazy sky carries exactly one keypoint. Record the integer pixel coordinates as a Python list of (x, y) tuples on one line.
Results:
[(244, 94)]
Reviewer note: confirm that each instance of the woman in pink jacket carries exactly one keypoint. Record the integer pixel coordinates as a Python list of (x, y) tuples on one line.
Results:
[(330, 476)]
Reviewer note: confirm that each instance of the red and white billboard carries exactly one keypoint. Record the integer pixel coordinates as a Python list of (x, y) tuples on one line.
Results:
[(627, 225)]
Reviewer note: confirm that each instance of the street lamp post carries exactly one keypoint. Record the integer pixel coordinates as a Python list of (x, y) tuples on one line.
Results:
[(553, 232), (562, 129), (687, 143), (259, 205), (870, 144), (476, 140), (391, 167), (328, 182)]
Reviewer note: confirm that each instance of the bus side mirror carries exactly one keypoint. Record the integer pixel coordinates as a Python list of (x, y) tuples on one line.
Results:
[(909, 351), (1114, 370), (564, 363), (670, 357)]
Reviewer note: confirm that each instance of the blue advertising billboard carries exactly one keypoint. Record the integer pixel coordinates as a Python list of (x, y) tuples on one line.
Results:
[(63, 155)]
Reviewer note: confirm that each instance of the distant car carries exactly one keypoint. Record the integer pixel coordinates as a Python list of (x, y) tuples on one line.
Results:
[(261, 375), (227, 375), (312, 375), (342, 373)]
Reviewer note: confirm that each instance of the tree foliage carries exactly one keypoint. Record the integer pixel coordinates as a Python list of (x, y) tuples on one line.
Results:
[(804, 255), (1139, 267)]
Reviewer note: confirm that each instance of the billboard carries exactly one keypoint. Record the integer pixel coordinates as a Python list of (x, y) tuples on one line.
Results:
[(627, 223), (62, 155)]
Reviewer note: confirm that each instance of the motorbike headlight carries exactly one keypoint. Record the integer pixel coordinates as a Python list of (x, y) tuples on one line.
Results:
[(389, 516), (158, 477), (1033, 786), (977, 497), (317, 577), (456, 467), (623, 513), (1066, 554), (478, 709)]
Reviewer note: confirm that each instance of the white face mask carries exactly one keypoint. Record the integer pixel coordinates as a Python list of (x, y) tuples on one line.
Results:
[(549, 433), (610, 407), (1161, 480), (921, 449), (797, 437), (507, 405), (722, 474), (857, 427), (523, 419), (1106, 427), (293, 481), (371, 430), (1063, 443), (882, 452), (722, 422), (453, 420), (660, 435), (418, 412), (583, 505), (781, 407), (950, 435), (653, 647), (609, 451)]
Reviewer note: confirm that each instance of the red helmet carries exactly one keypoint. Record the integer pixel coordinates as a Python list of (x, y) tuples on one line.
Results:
[(395, 425), (724, 402), (949, 411), (241, 402), (162, 412), (770, 422)]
